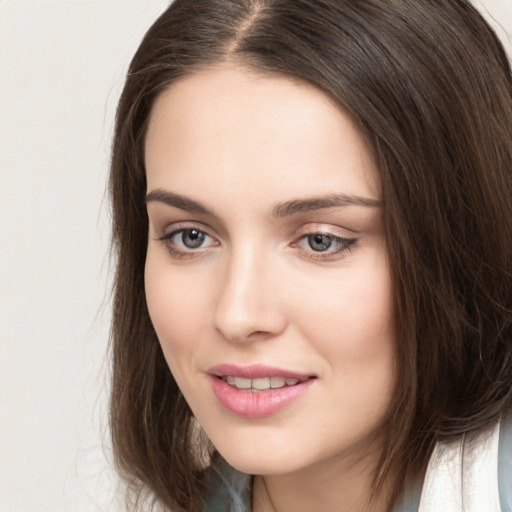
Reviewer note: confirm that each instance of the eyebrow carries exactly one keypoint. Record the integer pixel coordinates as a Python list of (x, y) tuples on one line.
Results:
[(181, 202), (285, 209), (319, 203)]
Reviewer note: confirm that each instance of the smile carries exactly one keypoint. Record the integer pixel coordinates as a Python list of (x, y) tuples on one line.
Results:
[(261, 383), (257, 391)]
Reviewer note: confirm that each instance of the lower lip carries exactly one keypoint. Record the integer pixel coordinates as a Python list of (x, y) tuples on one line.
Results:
[(257, 404)]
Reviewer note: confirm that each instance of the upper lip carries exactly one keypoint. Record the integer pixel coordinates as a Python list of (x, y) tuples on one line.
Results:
[(255, 371)]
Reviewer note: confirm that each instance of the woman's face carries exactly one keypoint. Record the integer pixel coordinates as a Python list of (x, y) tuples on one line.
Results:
[(267, 277)]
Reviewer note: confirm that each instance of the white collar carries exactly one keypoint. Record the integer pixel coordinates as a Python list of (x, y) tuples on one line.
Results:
[(462, 475)]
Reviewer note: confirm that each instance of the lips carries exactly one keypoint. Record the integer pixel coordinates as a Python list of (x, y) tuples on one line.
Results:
[(257, 391)]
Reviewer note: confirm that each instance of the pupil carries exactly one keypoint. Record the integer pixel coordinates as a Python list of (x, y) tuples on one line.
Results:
[(192, 238), (319, 242)]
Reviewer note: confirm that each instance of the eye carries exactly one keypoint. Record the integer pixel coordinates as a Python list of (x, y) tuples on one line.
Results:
[(191, 238), (184, 242), (319, 242), (324, 246)]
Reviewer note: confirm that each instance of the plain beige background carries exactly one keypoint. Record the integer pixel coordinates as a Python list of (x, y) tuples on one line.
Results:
[(62, 64)]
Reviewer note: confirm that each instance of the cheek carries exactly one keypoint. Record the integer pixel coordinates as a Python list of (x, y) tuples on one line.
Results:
[(177, 307), (371, 324), (354, 332), (356, 309)]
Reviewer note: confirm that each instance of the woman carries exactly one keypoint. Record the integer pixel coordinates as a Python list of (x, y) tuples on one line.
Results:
[(312, 223)]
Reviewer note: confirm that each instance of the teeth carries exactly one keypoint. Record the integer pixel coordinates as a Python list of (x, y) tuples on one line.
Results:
[(262, 383), (242, 383), (277, 382)]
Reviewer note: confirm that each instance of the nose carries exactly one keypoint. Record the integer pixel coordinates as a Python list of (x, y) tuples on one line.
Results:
[(248, 306)]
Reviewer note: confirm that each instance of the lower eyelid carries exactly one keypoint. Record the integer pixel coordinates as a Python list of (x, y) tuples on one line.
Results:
[(345, 244), (177, 251)]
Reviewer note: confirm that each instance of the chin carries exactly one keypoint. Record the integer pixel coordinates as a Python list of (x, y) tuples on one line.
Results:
[(268, 458), (259, 466)]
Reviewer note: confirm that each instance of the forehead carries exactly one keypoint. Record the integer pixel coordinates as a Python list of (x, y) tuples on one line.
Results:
[(239, 127)]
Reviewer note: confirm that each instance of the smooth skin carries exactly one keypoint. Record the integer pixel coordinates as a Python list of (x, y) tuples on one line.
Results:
[(267, 246)]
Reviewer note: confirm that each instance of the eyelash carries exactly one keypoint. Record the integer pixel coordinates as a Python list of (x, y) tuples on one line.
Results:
[(344, 244), (170, 244)]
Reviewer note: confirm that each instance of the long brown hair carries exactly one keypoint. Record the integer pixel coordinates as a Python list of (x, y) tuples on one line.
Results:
[(430, 87)]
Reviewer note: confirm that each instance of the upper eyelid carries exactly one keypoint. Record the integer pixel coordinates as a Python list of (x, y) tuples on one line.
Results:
[(349, 240), (326, 229), (303, 231), (176, 227)]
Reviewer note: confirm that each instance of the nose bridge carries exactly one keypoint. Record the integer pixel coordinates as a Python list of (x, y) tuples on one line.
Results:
[(247, 305)]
